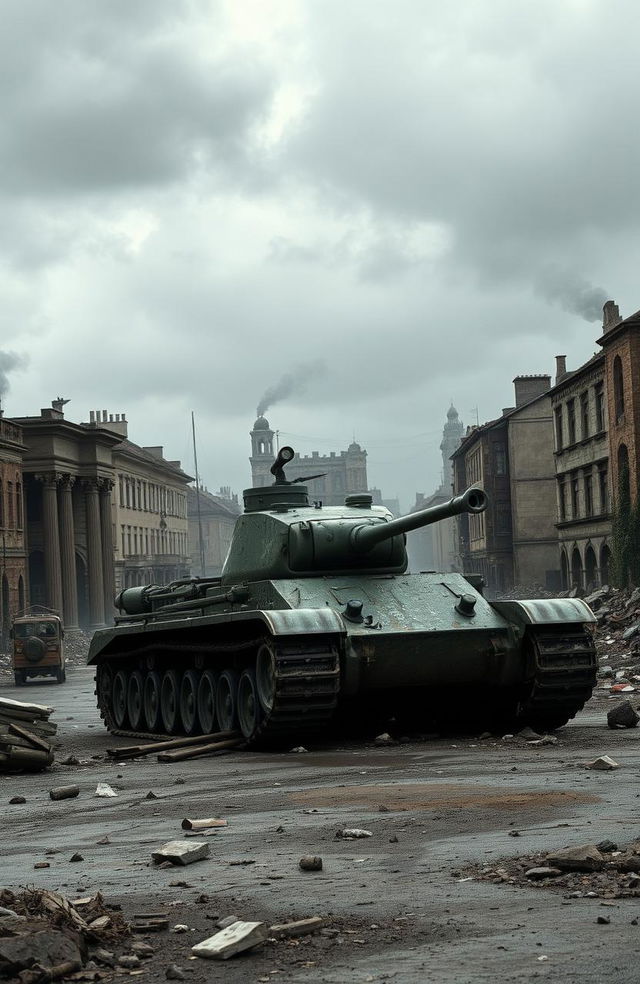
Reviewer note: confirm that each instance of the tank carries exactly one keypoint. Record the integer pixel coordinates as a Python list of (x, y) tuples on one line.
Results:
[(315, 625)]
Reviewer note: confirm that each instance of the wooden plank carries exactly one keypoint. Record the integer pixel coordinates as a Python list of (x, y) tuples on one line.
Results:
[(15, 729), (38, 727), (135, 751), (9, 706), (300, 927), (186, 753)]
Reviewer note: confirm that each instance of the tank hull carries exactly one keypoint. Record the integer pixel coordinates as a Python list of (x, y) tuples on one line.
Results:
[(302, 655)]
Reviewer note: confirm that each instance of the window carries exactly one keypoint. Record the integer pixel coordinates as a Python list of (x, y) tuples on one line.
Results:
[(562, 499), (19, 505), (584, 414), (602, 486), (9, 504), (599, 407), (571, 418), (124, 551), (121, 485), (127, 492), (559, 436), (588, 492), (574, 496), (618, 388), (500, 459)]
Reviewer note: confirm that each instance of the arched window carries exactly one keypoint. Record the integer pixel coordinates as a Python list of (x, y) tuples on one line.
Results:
[(605, 564), (564, 570), (590, 567), (618, 387), (576, 569)]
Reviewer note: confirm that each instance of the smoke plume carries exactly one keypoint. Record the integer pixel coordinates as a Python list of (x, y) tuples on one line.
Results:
[(292, 383), (573, 293), (9, 361)]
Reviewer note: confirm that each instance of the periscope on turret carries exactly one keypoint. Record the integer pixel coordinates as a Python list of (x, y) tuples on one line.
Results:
[(315, 625)]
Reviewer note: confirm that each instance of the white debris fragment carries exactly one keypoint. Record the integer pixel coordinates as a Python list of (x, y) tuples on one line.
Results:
[(603, 764), (104, 789)]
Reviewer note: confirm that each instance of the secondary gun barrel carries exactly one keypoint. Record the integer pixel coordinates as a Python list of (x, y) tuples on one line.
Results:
[(366, 536)]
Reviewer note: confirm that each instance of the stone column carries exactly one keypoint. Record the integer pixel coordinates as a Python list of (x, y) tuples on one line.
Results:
[(68, 553), (106, 528), (51, 541), (94, 555)]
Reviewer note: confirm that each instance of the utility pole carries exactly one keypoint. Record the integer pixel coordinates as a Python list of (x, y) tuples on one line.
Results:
[(195, 461)]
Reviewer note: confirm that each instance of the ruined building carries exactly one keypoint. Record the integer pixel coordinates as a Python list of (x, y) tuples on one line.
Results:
[(346, 471)]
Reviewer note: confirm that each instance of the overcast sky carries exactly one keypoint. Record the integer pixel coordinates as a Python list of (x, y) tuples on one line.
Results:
[(402, 203)]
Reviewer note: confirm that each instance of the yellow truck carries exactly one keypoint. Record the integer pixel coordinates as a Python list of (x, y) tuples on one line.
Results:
[(38, 647)]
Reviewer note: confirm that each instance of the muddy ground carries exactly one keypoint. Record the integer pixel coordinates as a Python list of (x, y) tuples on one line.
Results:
[(399, 905)]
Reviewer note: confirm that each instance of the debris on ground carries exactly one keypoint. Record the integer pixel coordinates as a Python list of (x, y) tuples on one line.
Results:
[(353, 833), (181, 852), (64, 792), (581, 871), (310, 863), (152, 747), (25, 736), (45, 936), (623, 716), (103, 789), (234, 939), (203, 824), (603, 764)]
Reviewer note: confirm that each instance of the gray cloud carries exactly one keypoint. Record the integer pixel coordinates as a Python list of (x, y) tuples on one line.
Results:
[(8, 362), (291, 383)]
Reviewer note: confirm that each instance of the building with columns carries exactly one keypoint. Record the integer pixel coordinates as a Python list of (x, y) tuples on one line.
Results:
[(345, 471), (68, 477), (13, 565)]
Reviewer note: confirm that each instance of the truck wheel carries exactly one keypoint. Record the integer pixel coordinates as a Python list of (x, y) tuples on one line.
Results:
[(21, 678)]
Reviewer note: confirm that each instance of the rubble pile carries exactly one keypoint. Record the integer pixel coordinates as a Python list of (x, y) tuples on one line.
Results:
[(586, 871), (25, 736), (76, 647), (617, 640), (44, 936)]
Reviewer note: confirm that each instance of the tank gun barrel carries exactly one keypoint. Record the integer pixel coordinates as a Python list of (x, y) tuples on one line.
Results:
[(366, 536)]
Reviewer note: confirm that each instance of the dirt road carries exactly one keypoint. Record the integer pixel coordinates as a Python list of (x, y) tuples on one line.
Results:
[(398, 904)]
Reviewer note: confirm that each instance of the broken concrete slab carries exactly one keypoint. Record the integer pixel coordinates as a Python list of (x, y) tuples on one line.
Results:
[(586, 857), (603, 764), (623, 716), (48, 947), (301, 927), (536, 874), (234, 939), (181, 852)]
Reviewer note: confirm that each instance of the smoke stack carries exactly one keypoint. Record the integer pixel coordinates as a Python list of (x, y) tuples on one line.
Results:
[(610, 316), (561, 367)]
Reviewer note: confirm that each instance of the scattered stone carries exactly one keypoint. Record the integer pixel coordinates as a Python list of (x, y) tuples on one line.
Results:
[(41, 864), (603, 764), (100, 924), (607, 846), (129, 961), (104, 957), (103, 789), (151, 795), (383, 739), (514, 833), (142, 950), (536, 874), (104, 840), (528, 734), (584, 858), (15, 800), (631, 631), (301, 927), (606, 672), (70, 760), (603, 920), (545, 740), (310, 863), (226, 921), (393, 840), (234, 939), (76, 857), (47, 947), (383, 809), (623, 716), (64, 792), (174, 973), (181, 852), (353, 833), (299, 749)]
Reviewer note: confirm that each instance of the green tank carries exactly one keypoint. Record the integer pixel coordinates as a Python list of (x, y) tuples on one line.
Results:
[(315, 625)]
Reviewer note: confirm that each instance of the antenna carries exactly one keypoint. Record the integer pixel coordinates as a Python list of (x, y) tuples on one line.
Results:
[(195, 461)]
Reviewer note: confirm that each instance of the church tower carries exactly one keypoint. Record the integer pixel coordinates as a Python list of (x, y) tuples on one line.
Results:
[(452, 434), (262, 453)]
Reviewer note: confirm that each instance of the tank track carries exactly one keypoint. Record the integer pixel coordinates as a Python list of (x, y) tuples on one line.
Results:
[(564, 665), (306, 678)]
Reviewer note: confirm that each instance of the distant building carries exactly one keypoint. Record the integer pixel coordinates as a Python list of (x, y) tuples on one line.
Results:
[(436, 547), (13, 556), (578, 402), (346, 471), (514, 542), (217, 519)]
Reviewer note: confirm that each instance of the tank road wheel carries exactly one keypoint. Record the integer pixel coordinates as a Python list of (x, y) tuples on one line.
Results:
[(170, 701), (248, 704), (119, 698), (151, 701), (266, 677), (226, 700), (189, 702), (135, 692), (207, 702)]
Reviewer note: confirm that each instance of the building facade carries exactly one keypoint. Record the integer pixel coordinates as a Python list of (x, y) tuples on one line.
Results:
[(150, 516), (68, 477), (13, 555), (579, 406), (340, 472), (212, 519), (514, 542)]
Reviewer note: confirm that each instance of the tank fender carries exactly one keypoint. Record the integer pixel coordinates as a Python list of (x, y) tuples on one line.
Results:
[(303, 621), (545, 611)]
